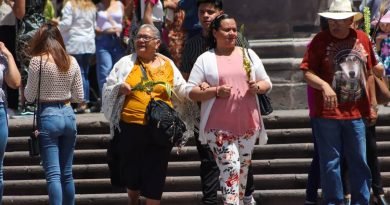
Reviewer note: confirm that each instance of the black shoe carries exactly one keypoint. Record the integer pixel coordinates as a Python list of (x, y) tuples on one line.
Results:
[(310, 203), (381, 200)]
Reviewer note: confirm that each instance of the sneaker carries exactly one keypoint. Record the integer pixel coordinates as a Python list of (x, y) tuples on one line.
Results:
[(249, 200)]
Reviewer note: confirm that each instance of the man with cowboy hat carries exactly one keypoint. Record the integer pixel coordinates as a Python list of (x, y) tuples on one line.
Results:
[(336, 66)]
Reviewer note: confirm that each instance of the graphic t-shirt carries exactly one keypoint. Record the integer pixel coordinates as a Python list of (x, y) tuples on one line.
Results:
[(343, 63)]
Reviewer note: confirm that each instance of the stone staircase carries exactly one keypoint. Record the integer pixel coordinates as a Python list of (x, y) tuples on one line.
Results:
[(280, 167), (281, 59)]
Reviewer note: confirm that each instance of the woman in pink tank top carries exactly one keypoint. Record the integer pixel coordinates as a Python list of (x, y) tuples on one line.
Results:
[(230, 114)]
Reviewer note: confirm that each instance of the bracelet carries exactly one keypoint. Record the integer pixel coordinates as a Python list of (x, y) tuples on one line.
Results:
[(216, 91)]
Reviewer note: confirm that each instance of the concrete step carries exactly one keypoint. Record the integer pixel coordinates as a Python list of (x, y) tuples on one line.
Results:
[(172, 184), (95, 123), (276, 151), (263, 197), (280, 48), (190, 168)]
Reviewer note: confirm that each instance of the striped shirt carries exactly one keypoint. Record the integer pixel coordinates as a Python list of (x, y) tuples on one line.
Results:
[(197, 45)]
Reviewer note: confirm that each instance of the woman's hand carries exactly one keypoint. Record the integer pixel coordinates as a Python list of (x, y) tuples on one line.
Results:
[(223, 91), (203, 86), (253, 87), (125, 89), (55, 21)]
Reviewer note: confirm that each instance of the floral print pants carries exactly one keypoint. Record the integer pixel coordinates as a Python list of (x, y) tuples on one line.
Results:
[(233, 156)]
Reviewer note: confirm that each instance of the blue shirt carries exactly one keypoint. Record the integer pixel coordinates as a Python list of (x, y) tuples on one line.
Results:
[(191, 20)]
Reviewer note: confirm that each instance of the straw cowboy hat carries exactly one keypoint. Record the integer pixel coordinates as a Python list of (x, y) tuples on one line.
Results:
[(341, 9)]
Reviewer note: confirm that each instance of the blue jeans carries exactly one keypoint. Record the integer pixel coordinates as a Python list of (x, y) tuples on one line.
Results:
[(57, 126), (336, 139), (3, 143), (83, 61), (108, 51)]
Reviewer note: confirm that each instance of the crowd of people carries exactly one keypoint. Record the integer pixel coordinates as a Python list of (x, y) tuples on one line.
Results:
[(180, 51)]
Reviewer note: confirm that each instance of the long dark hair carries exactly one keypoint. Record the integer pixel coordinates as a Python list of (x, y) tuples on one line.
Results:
[(48, 41), (215, 25)]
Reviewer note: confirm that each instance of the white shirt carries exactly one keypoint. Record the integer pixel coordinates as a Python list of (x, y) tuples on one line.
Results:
[(7, 17), (205, 70), (157, 13), (78, 29)]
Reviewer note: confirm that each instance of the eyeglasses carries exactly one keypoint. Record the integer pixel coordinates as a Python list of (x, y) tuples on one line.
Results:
[(145, 38)]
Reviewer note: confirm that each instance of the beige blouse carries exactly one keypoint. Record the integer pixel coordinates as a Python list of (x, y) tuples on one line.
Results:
[(56, 85)]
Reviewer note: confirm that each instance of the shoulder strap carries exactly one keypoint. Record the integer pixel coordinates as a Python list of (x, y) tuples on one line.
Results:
[(141, 65), (37, 103)]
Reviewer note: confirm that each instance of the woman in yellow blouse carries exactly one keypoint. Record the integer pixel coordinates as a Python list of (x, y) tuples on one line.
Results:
[(143, 163)]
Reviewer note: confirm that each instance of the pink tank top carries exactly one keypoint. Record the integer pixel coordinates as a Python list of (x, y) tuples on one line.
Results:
[(239, 113)]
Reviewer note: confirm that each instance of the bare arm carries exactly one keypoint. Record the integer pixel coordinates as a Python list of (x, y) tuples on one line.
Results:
[(148, 13), (129, 8), (19, 8), (198, 93), (171, 4), (330, 98), (12, 76)]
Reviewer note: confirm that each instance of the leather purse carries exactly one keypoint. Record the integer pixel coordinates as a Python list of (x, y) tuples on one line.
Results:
[(265, 104), (164, 123), (382, 90)]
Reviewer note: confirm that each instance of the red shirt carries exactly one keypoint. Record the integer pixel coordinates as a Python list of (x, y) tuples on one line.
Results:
[(344, 64)]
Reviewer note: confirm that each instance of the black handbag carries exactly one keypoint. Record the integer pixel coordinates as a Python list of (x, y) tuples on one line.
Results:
[(164, 124), (265, 104), (264, 100), (33, 143)]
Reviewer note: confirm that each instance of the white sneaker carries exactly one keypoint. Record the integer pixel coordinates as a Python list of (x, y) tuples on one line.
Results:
[(249, 200)]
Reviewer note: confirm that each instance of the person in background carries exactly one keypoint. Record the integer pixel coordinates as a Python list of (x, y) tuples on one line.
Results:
[(143, 162), (235, 75), (77, 26), (7, 36), (193, 48), (151, 12), (173, 32), (382, 40), (9, 75), (191, 23), (30, 17), (60, 84), (109, 47), (127, 21)]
